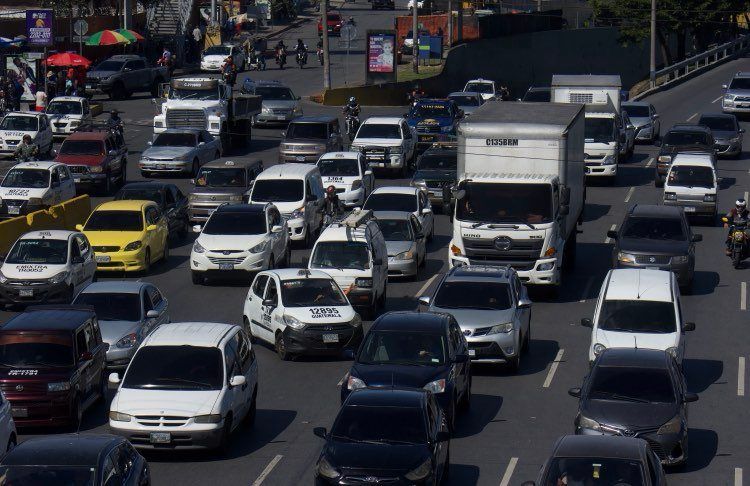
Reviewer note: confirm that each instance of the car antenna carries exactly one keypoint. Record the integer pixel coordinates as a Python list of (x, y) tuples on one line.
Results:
[(635, 342)]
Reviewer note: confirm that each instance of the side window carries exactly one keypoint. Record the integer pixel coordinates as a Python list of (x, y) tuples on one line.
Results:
[(653, 469), (456, 337), (308, 189), (416, 226), (269, 219), (678, 304), (517, 287), (335, 127), (259, 286), (55, 176), (407, 131), (230, 359), (97, 331), (362, 164), (272, 292), (75, 250), (81, 342), (275, 217), (206, 137), (147, 304), (244, 353), (83, 245), (139, 64), (88, 331), (155, 296)]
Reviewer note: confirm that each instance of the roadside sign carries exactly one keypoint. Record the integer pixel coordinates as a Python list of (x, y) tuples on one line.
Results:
[(80, 27)]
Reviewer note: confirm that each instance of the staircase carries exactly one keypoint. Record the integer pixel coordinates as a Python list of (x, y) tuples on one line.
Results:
[(167, 23)]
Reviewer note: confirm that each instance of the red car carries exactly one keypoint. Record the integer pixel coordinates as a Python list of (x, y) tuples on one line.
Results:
[(334, 24), (97, 159)]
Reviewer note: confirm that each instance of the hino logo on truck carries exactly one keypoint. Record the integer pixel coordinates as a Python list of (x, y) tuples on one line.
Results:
[(506, 142)]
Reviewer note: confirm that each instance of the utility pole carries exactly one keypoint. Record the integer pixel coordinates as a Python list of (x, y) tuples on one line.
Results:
[(652, 65), (415, 32), (450, 23), (326, 55), (127, 15)]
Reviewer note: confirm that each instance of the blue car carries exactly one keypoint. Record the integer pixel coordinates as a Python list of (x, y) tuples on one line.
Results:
[(434, 119), (415, 350)]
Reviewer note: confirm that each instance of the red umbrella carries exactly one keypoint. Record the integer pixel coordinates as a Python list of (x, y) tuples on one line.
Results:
[(67, 59)]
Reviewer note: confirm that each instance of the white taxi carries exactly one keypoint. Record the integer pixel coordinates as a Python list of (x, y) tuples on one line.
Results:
[(15, 125), (46, 267), (301, 311), (67, 114), (349, 174), (31, 186)]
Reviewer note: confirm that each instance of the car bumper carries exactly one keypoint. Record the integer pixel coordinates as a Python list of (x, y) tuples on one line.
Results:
[(211, 68), (219, 263), (41, 410), (683, 271), (40, 294), (165, 166), (194, 436), (123, 261), (694, 208), (310, 341), (538, 272), (670, 448), (402, 268), (7, 212), (394, 161), (63, 131), (735, 107), (496, 348), (272, 118), (293, 157), (201, 211), (88, 180), (598, 170)]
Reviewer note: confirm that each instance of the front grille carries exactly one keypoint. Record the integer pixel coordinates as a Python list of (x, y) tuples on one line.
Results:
[(106, 249), (225, 261), (657, 448), (487, 350), (161, 420), (280, 111), (177, 440), (26, 387), (429, 129), (437, 184), (519, 250), (652, 259), (317, 328), (226, 252), (721, 148), (369, 480), (481, 331), (78, 169), (12, 142), (14, 202), (182, 118), (61, 124), (376, 153)]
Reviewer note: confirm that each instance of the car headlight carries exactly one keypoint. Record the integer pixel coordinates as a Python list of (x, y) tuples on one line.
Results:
[(298, 213), (58, 386), (3, 278), (354, 383), (214, 126), (265, 110), (670, 196), (545, 267), (679, 259), (665, 159), (260, 247), (420, 472), (503, 328), (326, 470), (127, 341), (709, 198), (119, 416), (213, 418), (587, 423), (35, 201), (356, 321), (293, 322), (734, 140), (419, 183), (96, 169), (625, 257), (192, 197), (728, 97), (437, 386), (198, 248), (672, 427), (133, 245), (599, 349), (672, 350), (405, 255), (356, 185), (159, 124), (59, 278), (364, 283), (609, 160)]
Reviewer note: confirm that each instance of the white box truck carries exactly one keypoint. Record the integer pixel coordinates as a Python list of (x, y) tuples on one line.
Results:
[(520, 191), (606, 137)]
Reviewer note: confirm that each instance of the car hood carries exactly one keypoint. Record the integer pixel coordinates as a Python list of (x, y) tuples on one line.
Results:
[(166, 152), (112, 331), (639, 121), (183, 403), (31, 271), (470, 319), (631, 415), (193, 104), (21, 192), (80, 159), (73, 116), (398, 375), (385, 457), (100, 74), (109, 238), (229, 242), (396, 247), (214, 58), (655, 247), (724, 134), (617, 339), (276, 104), (432, 174), (321, 314)]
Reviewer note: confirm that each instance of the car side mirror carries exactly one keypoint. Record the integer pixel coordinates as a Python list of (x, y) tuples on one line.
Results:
[(419, 235), (126, 70), (691, 397), (86, 356), (151, 227), (443, 436), (197, 228), (524, 303), (565, 196), (724, 86), (76, 260), (53, 153), (201, 143), (368, 172), (277, 229), (696, 238), (688, 326), (149, 143), (320, 432), (612, 234), (426, 211), (349, 354), (79, 227), (114, 379), (575, 392), (631, 127), (587, 322), (269, 303), (237, 380), (425, 300), (283, 134), (112, 153), (654, 116), (152, 314), (377, 261), (461, 358)]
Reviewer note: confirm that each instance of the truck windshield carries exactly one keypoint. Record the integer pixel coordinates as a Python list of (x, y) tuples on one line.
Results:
[(176, 368), (109, 66), (599, 130), (430, 110), (82, 147), (340, 254), (27, 178), (378, 130), (228, 223), (338, 167), (268, 190), (50, 252), (20, 123), (307, 130), (52, 475), (167, 139), (65, 108), (310, 292), (505, 203), (691, 176), (37, 350), (193, 94), (215, 177)]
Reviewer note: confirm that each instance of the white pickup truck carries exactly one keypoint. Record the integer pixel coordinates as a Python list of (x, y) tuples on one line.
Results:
[(386, 142), (67, 113), (31, 186)]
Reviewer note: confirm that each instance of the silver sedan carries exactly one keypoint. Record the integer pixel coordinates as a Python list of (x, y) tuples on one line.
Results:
[(404, 240), (179, 150)]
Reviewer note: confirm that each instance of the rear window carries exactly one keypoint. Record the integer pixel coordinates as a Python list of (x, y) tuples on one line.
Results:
[(686, 138), (474, 295), (112, 307), (638, 316), (36, 350), (691, 176)]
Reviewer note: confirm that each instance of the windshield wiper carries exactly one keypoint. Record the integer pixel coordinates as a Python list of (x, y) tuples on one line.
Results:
[(624, 398), (186, 381)]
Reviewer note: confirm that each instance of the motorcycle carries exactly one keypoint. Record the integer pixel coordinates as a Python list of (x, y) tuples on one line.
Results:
[(352, 125), (738, 242), (301, 59), (320, 56), (257, 63), (281, 57)]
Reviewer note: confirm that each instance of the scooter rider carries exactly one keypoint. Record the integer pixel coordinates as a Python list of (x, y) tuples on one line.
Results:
[(352, 107), (114, 122), (738, 215), (26, 150), (280, 52)]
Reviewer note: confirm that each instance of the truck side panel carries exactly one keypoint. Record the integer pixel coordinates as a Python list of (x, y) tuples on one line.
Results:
[(574, 177), (509, 156)]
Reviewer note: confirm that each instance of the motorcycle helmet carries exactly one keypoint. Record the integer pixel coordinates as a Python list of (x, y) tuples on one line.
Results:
[(330, 190), (740, 204), (352, 101)]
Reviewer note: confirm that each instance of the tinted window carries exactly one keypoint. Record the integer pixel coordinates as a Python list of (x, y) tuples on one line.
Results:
[(384, 201), (623, 383), (505, 203), (474, 295), (309, 292), (396, 229), (637, 316), (175, 368), (221, 177), (112, 307), (691, 176), (599, 130), (27, 178), (51, 252), (719, 123), (686, 138), (20, 123), (484, 88), (379, 130), (403, 347), (338, 167), (217, 51), (259, 286), (236, 224), (47, 475), (175, 140), (268, 190), (584, 471), (387, 424), (307, 130), (654, 229), (60, 107), (340, 254), (115, 221), (637, 111), (109, 66), (141, 194), (36, 350), (438, 161)]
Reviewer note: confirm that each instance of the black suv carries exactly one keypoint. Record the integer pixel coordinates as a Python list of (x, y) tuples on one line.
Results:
[(172, 202), (52, 362), (436, 171), (681, 138)]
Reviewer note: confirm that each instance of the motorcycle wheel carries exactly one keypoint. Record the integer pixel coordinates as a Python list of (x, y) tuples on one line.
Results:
[(736, 258)]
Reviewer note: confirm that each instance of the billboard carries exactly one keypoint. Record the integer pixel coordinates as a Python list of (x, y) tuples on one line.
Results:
[(24, 71), (381, 56), (39, 27)]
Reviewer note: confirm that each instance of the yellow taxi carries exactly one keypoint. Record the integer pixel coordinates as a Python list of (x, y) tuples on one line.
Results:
[(127, 235)]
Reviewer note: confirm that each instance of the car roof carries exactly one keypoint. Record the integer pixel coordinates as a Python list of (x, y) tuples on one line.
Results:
[(255, 208), (656, 211), (62, 450), (596, 80), (479, 80), (315, 119), (717, 115), (479, 272), (49, 318), (46, 165), (387, 397), (600, 446), (47, 234), (633, 358), (115, 287), (343, 233), (204, 334), (400, 215), (687, 127), (411, 321), (639, 284), (396, 190), (270, 82), (340, 155), (100, 136), (297, 273), (283, 171), (703, 159), (149, 184), (383, 120), (231, 162), (124, 57), (125, 205)]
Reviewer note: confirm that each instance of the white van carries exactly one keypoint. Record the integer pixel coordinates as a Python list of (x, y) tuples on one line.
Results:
[(353, 252), (692, 183), (297, 191), (638, 308)]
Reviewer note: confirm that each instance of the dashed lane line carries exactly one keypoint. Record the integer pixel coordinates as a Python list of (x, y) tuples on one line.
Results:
[(426, 285), (737, 476), (746, 193), (608, 240), (741, 377), (267, 470), (651, 161), (692, 116), (717, 99), (553, 369), (629, 194), (743, 296), (509, 471), (586, 289)]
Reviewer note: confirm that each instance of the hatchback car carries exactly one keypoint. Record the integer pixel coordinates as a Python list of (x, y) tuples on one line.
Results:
[(405, 242), (727, 133), (409, 199), (171, 201), (179, 151), (637, 393), (385, 436), (681, 138), (645, 119), (419, 350)]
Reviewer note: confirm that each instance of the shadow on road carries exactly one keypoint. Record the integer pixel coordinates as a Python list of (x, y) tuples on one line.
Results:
[(484, 409), (463, 474), (541, 353), (592, 211), (701, 373), (702, 448), (704, 283)]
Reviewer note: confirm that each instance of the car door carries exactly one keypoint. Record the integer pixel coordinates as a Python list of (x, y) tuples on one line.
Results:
[(278, 243), (89, 263), (272, 314), (416, 227), (655, 121), (232, 368), (170, 211), (408, 141), (67, 184), (248, 367), (161, 235), (436, 423), (254, 309), (86, 367), (54, 186), (180, 205), (458, 348)]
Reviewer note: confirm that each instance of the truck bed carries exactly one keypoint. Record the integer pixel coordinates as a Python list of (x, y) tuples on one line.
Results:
[(245, 106)]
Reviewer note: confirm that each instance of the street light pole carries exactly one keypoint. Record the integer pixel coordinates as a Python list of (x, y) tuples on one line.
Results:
[(652, 64), (415, 36), (326, 56)]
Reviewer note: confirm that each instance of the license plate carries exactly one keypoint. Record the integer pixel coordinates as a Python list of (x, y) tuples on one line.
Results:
[(88, 86), (19, 412), (330, 338), (160, 437), (689, 209), (102, 258), (226, 266), (300, 158), (426, 138), (161, 166), (280, 117), (472, 352), (14, 210), (26, 293)]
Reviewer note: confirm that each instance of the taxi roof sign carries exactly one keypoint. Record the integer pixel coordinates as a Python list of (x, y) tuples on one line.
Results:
[(229, 162)]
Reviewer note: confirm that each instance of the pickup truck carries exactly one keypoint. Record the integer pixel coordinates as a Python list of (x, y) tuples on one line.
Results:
[(434, 120), (121, 75)]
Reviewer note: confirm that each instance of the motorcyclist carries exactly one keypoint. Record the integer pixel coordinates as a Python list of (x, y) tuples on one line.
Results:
[(301, 47), (738, 215), (280, 53), (229, 72), (352, 107), (114, 121), (333, 205), (26, 150)]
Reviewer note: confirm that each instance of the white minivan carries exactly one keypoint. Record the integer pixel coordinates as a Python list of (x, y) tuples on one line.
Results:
[(638, 308), (692, 184), (354, 253), (297, 191)]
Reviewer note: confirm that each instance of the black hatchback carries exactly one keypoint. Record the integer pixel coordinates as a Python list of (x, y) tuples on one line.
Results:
[(385, 436), (172, 202)]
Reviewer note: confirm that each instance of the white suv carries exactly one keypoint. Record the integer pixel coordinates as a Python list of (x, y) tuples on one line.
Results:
[(386, 142), (240, 238), (638, 308), (349, 174), (189, 386)]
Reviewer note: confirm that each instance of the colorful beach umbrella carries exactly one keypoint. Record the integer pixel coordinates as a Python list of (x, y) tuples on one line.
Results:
[(107, 38), (67, 59), (131, 35)]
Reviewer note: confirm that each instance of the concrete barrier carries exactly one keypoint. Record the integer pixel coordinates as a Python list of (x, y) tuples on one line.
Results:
[(75, 211), (10, 230)]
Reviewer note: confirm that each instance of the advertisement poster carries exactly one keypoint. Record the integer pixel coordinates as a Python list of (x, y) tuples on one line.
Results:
[(24, 71), (39, 27), (381, 53)]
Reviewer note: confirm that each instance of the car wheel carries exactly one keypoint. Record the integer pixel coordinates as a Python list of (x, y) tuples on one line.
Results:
[(432, 232), (308, 238), (446, 468), (147, 261), (107, 185), (11, 443), (658, 182), (515, 362), (527, 341), (284, 355), (452, 415), (226, 435), (197, 278), (124, 173), (194, 169)]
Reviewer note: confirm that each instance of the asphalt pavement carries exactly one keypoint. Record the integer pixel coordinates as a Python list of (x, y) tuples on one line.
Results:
[(514, 419)]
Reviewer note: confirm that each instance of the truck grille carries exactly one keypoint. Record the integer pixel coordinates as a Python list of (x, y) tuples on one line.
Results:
[(26, 387), (376, 153), (78, 169), (521, 254), (181, 118), (582, 98)]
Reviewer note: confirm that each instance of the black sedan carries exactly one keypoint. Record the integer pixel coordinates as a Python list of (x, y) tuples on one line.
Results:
[(386, 436), (727, 133), (637, 393), (171, 201), (416, 350), (73, 459)]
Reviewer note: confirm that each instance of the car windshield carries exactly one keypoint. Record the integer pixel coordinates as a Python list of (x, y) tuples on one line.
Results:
[(624, 382), (112, 306), (278, 190), (220, 177), (486, 203), (175, 368), (109, 66), (539, 95), (168, 139), (340, 254), (396, 425), (82, 147), (274, 93), (719, 123), (599, 130), (654, 229), (740, 83), (465, 100), (691, 176), (484, 88), (42, 251), (441, 161), (310, 292), (593, 470), (60, 107), (386, 201), (217, 51), (241, 223), (194, 94), (473, 295), (26, 178), (115, 221), (639, 316), (47, 475), (316, 131), (35, 349), (379, 130), (430, 110), (140, 195), (396, 229), (403, 347), (637, 111), (339, 167), (686, 138), (20, 123)]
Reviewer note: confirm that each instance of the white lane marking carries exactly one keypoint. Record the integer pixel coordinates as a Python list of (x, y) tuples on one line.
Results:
[(509, 471), (743, 296), (717, 99), (746, 195), (608, 240), (553, 369), (426, 285), (737, 476), (630, 194), (692, 116), (341, 381), (651, 161), (586, 289), (267, 470), (741, 377)]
